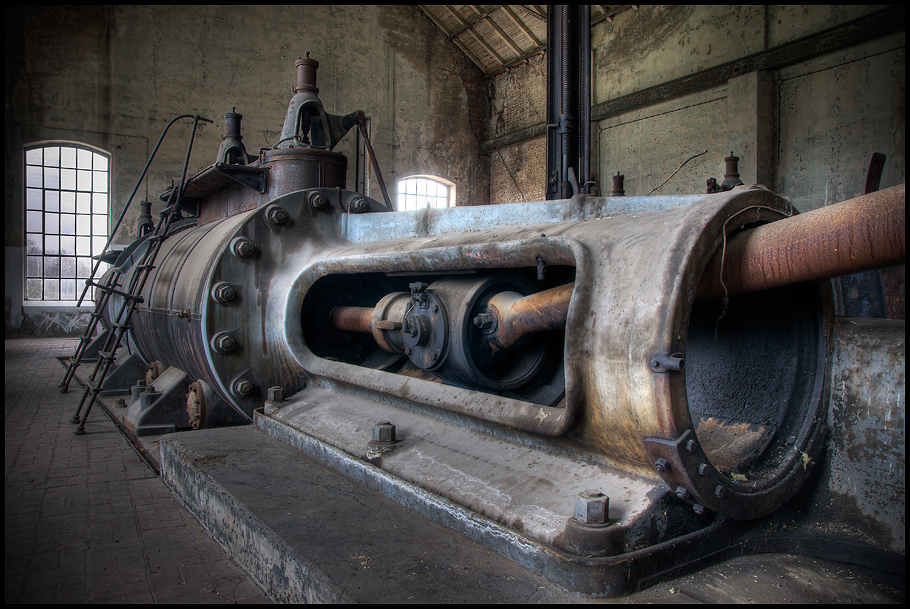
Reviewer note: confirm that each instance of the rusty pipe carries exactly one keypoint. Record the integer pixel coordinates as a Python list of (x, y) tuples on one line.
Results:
[(352, 319), (856, 235), (515, 316)]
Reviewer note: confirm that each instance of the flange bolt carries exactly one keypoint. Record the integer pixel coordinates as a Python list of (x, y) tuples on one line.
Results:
[(592, 507), (224, 293), (319, 201), (225, 343), (278, 216), (243, 388), (243, 247), (384, 433)]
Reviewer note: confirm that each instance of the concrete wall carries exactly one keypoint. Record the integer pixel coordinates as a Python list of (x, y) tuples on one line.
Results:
[(112, 77), (807, 130)]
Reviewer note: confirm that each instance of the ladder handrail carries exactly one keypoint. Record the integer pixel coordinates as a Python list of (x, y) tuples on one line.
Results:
[(137, 283)]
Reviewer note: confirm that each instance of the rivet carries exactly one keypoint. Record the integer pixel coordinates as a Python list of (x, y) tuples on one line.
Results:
[(702, 469)]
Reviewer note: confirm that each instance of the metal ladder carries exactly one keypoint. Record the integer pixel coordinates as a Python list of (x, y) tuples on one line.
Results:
[(132, 296)]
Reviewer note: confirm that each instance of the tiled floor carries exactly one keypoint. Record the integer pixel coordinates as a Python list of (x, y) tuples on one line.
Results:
[(87, 520)]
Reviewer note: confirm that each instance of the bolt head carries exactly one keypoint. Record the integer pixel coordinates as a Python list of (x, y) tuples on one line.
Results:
[(592, 507), (319, 201), (243, 387), (278, 215), (276, 394), (359, 205), (225, 343), (384, 432), (483, 320), (661, 465), (225, 293), (244, 248)]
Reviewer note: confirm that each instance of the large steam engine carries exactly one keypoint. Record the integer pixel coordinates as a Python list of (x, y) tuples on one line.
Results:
[(666, 363)]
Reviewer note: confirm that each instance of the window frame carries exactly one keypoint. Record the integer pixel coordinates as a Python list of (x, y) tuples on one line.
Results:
[(89, 218), (450, 192)]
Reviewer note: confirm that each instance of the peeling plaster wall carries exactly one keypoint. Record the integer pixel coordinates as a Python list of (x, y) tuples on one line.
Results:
[(112, 77), (807, 131)]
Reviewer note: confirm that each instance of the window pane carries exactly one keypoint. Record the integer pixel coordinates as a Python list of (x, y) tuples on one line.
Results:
[(33, 222), (51, 289), (68, 225), (68, 157), (35, 266), (68, 179), (68, 289), (83, 159), (33, 156), (68, 246), (52, 224), (51, 200), (83, 203), (33, 198), (98, 244), (34, 289), (51, 244), (51, 177), (33, 244), (99, 203), (99, 181), (83, 267), (83, 225), (67, 267), (52, 156), (421, 187), (83, 246), (51, 266), (100, 163), (33, 176), (84, 180), (68, 201), (99, 225)]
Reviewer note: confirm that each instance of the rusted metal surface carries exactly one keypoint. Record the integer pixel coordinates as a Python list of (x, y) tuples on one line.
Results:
[(517, 316), (352, 319), (862, 233)]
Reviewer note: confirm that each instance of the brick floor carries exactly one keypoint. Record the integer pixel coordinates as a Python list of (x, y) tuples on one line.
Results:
[(87, 520)]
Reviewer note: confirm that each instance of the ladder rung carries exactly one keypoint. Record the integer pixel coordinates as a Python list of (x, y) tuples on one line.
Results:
[(136, 297), (105, 354)]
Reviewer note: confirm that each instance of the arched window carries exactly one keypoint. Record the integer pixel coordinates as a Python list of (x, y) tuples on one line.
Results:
[(67, 195), (417, 192)]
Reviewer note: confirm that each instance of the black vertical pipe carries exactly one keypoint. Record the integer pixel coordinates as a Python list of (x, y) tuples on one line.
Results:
[(584, 106), (564, 94)]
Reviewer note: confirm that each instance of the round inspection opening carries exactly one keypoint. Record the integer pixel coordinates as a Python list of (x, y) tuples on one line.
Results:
[(754, 374)]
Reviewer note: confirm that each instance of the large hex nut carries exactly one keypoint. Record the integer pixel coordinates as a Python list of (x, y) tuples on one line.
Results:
[(242, 388), (224, 293), (278, 215), (319, 201), (384, 433), (592, 507), (243, 247), (224, 343)]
